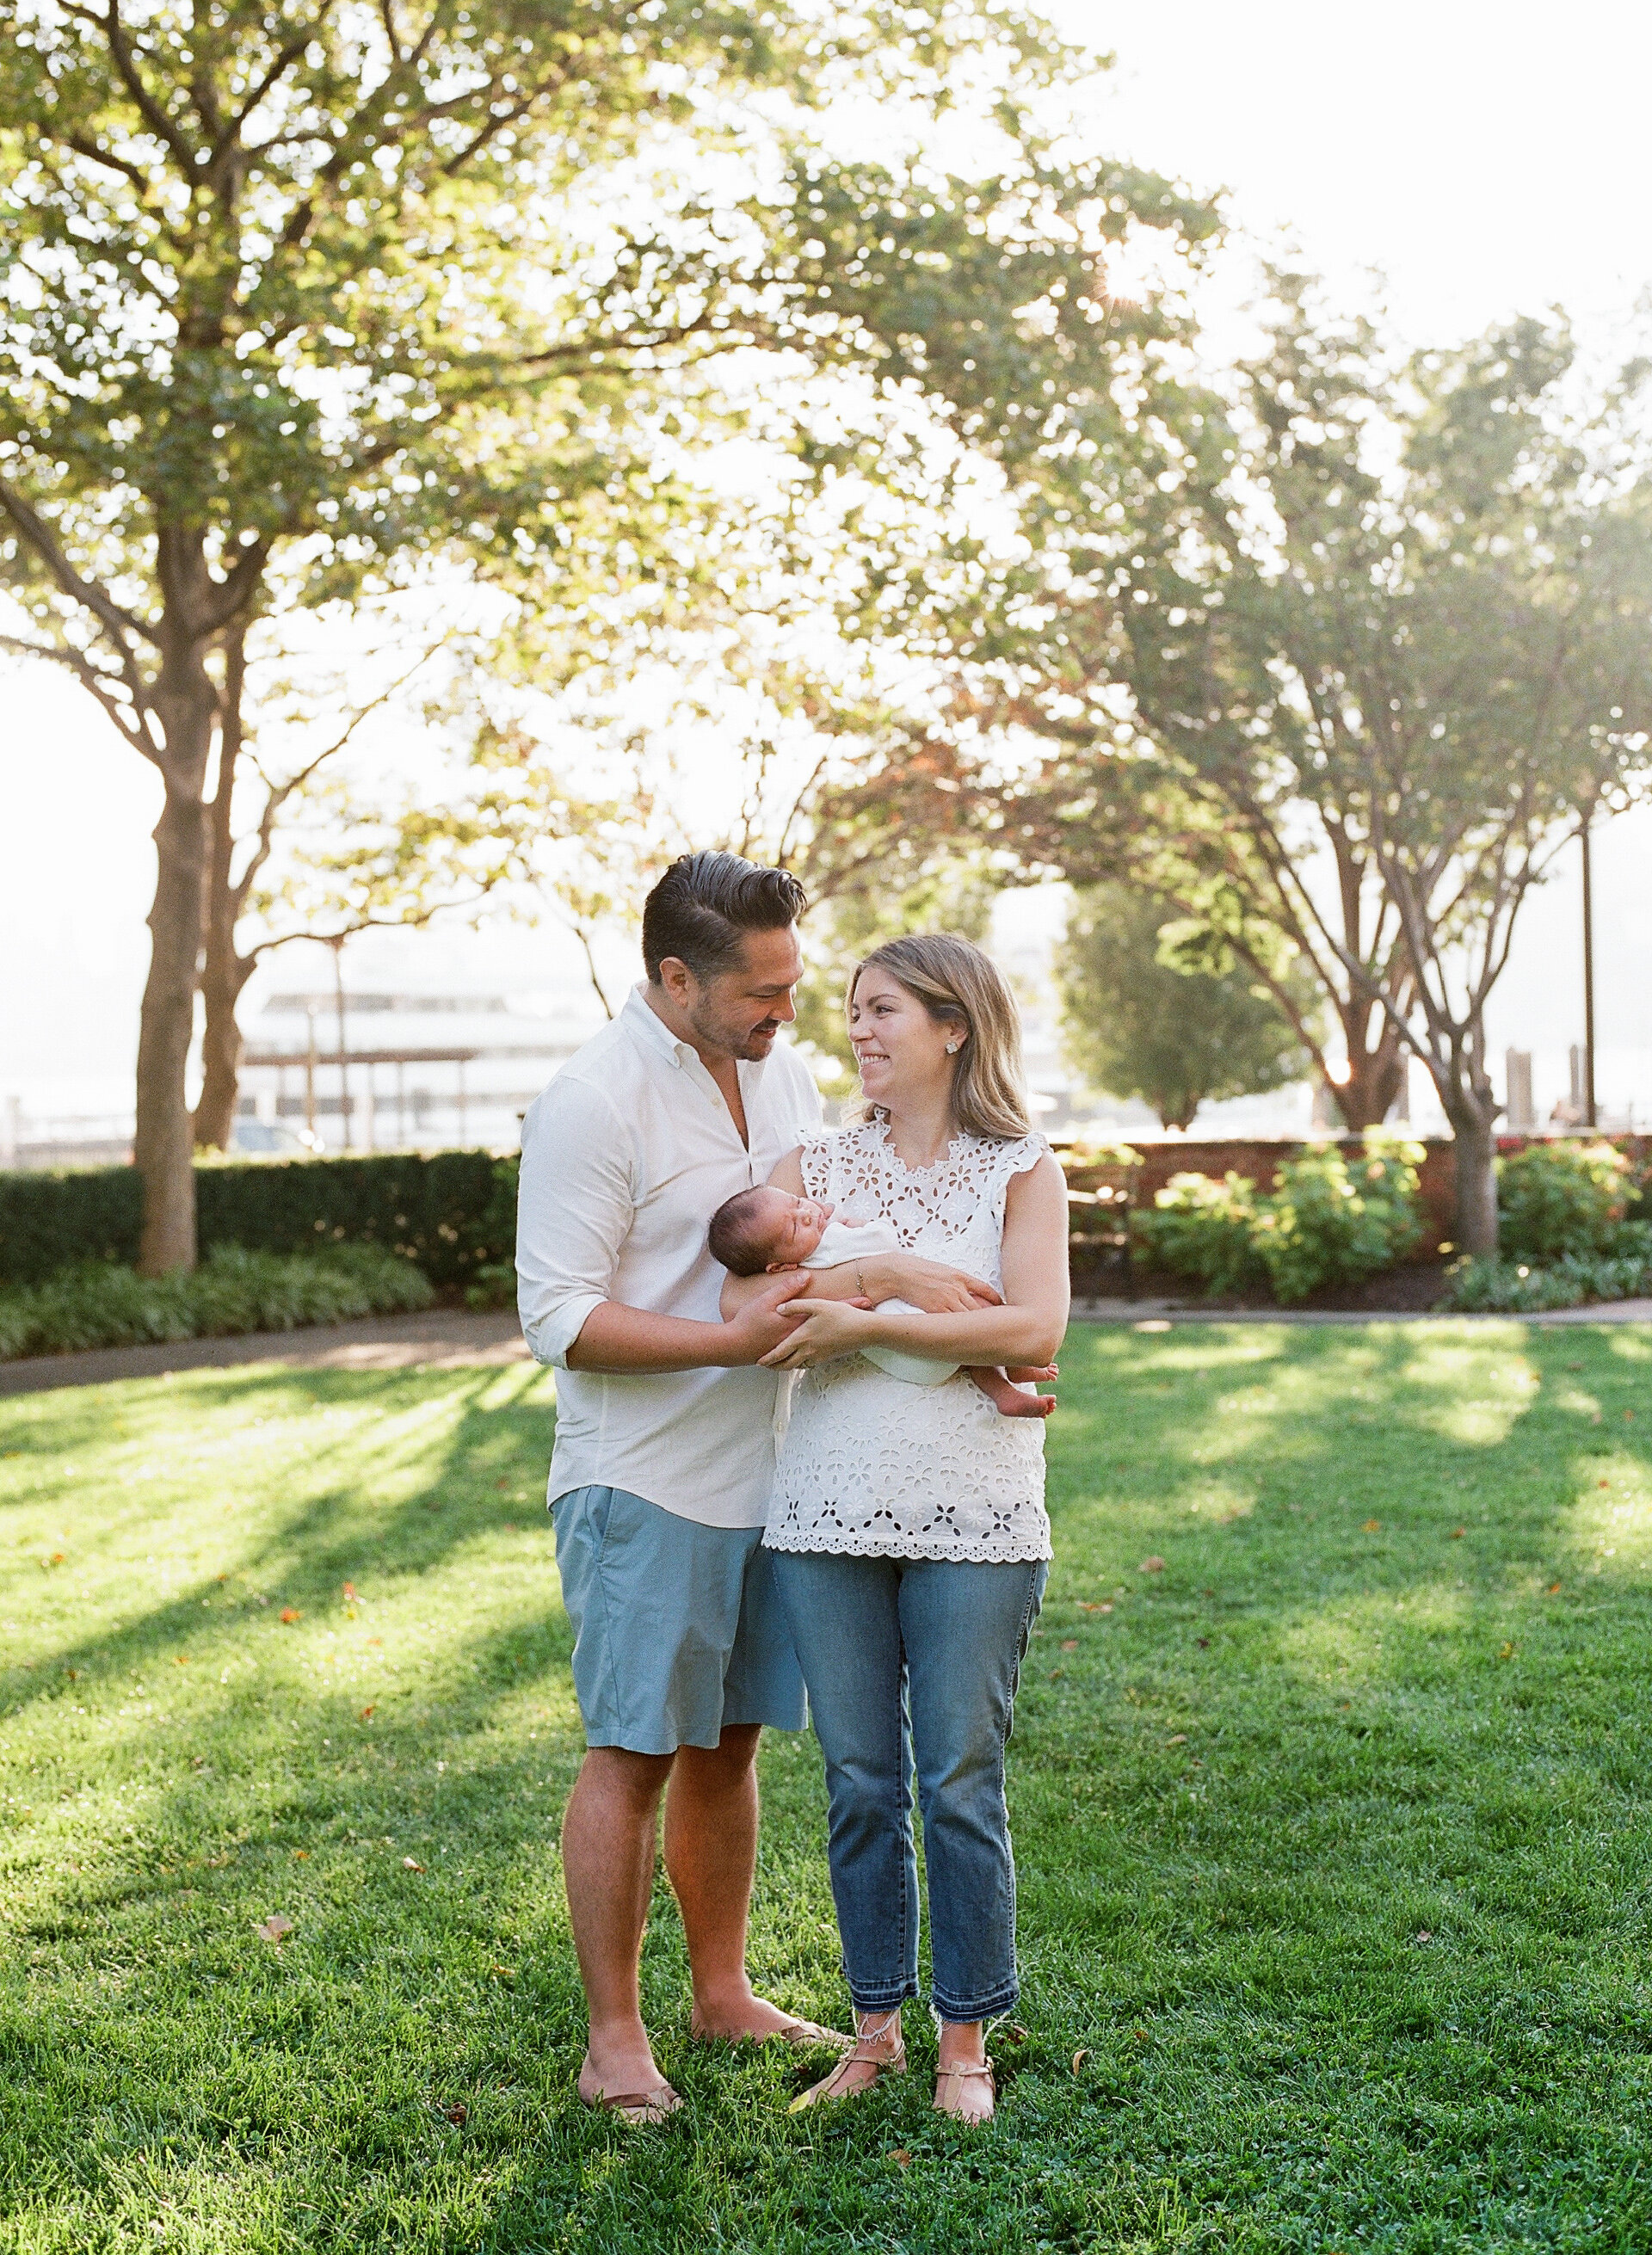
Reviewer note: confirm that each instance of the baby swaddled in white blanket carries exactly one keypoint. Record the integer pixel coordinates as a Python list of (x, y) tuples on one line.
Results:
[(765, 1231)]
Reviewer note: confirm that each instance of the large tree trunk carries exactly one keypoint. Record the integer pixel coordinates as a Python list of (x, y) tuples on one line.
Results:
[(163, 1146), (222, 982), (1474, 1118), (223, 973), (187, 700), (1372, 1085)]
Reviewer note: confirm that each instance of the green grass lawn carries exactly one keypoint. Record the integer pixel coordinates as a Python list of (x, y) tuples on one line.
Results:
[(1333, 1832)]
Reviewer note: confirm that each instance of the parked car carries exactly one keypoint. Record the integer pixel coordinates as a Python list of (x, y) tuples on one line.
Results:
[(267, 1139)]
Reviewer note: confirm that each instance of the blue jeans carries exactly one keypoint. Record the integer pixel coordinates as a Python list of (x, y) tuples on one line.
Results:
[(912, 1665)]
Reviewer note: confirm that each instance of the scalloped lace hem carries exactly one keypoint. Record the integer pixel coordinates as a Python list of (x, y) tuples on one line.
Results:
[(1011, 1552)]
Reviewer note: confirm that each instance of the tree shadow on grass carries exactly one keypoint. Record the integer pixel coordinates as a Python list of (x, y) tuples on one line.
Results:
[(427, 1965), (1231, 2015), (1372, 1751), (301, 1557)]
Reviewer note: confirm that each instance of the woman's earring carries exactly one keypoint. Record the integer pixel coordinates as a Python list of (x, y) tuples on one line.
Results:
[(951, 1048)]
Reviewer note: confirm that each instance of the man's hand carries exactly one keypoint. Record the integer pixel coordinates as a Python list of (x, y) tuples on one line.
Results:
[(758, 1328), (931, 1285), (818, 1331)]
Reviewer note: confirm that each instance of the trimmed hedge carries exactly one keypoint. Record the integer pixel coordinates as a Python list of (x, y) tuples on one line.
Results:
[(232, 1291), (56, 1219), (451, 1211)]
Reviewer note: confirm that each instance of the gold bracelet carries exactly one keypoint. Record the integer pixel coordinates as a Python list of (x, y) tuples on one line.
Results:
[(859, 1282)]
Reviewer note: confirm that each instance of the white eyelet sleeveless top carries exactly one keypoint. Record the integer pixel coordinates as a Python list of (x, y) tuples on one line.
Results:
[(872, 1466)]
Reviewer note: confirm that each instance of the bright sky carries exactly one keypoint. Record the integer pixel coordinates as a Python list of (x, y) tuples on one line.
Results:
[(1489, 157)]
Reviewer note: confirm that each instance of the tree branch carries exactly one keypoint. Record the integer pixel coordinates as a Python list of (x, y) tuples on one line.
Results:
[(94, 155), (91, 678), (117, 622), (153, 116)]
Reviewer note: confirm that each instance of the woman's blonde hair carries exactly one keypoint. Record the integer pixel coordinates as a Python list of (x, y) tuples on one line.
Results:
[(957, 984)]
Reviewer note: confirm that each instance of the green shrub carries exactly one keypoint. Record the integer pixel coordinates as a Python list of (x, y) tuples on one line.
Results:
[(1203, 1229), (1556, 1200), (453, 1211), (1510, 1288), (233, 1290), (1326, 1222), (493, 1285)]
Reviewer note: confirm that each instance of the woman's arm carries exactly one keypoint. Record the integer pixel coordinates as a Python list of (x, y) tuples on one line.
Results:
[(1026, 1329)]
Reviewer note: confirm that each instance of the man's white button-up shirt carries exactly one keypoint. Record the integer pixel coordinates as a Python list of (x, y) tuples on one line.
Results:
[(626, 1156)]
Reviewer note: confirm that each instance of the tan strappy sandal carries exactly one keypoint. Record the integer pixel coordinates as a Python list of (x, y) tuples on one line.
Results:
[(958, 2076), (836, 2085), (642, 2109)]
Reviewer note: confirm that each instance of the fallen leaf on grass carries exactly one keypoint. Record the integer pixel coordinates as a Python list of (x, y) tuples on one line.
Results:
[(1458, 1532), (1140, 2036), (506, 1973), (289, 1614), (57, 1557), (1554, 1589), (366, 1715), (1423, 1934), (409, 1864), (301, 1855), (1056, 1674), (1078, 2058), (1105, 1606), (180, 1660), (350, 1591), (1203, 1642), (1069, 1644), (1180, 1739), (275, 1929), (1506, 1653), (1372, 1527), (903, 2156), (1151, 1566), (1603, 1483), (458, 2113)]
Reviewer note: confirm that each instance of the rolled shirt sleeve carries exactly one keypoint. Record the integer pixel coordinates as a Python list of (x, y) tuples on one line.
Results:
[(574, 1206)]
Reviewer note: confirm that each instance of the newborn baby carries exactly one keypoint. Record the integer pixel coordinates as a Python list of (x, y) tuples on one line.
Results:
[(759, 1232)]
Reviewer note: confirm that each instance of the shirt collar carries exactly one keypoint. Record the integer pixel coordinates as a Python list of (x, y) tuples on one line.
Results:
[(646, 1025)]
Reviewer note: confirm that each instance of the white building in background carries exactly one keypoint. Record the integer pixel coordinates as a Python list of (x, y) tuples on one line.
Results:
[(424, 1065)]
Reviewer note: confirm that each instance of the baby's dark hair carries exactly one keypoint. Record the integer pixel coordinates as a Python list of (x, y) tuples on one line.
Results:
[(733, 1235)]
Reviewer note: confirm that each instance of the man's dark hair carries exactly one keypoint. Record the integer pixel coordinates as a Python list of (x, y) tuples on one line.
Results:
[(730, 1234), (705, 902)]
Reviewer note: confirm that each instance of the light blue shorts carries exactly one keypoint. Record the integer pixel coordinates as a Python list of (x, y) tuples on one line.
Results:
[(679, 1631)]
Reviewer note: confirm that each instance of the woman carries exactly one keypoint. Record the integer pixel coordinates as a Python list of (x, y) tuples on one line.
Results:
[(909, 1527)]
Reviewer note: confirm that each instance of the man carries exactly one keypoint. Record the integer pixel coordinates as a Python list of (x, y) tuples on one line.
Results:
[(665, 1451)]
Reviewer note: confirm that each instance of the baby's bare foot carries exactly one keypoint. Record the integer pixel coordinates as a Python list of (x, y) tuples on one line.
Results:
[(1026, 1405)]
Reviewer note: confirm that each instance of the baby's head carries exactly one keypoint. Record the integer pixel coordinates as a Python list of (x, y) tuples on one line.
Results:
[(755, 1231)]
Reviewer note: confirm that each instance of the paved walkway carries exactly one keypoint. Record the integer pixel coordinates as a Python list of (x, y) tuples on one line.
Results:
[(449, 1340), (437, 1340), (1183, 1311)]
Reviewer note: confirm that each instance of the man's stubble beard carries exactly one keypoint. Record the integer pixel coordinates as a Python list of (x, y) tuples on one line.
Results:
[(749, 1046)]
